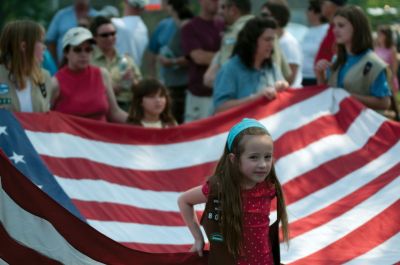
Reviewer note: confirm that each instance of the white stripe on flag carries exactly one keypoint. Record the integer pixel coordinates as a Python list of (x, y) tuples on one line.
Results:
[(114, 193)]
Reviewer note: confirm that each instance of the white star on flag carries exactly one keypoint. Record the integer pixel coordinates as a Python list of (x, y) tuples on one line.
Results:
[(3, 130), (17, 158)]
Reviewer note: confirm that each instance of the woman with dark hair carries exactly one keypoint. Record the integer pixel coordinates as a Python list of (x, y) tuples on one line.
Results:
[(151, 105), (171, 57), (251, 72), (357, 68), (24, 86)]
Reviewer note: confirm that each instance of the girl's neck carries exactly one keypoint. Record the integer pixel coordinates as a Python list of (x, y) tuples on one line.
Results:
[(151, 118), (348, 49), (258, 62)]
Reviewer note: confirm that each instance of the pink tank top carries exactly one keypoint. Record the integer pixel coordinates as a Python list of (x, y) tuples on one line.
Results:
[(386, 55), (82, 93)]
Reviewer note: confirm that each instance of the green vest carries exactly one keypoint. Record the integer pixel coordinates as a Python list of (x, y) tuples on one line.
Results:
[(41, 95), (360, 76)]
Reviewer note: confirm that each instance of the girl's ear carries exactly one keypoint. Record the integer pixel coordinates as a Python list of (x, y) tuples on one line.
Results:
[(231, 157)]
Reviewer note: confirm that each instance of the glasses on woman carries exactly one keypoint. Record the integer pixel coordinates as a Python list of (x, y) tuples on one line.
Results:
[(107, 34), (81, 49)]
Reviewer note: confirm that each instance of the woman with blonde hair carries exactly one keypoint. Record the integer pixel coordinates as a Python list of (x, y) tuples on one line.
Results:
[(24, 86)]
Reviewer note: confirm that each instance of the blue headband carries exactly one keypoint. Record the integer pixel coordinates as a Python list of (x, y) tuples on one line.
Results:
[(239, 127)]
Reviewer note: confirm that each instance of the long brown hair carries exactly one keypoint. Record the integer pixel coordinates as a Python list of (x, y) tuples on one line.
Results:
[(225, 183), (362, 34), (386, 30), (21, 65), (147, 87)]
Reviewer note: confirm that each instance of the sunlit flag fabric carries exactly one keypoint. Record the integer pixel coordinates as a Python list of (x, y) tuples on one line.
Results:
[(339, 164)]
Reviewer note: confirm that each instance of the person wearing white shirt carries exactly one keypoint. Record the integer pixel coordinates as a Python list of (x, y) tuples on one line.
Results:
[(312, 40), (132, 33), (290, 46)]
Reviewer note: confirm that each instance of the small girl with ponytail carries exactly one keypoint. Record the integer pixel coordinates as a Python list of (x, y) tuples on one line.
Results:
[(238, 198)]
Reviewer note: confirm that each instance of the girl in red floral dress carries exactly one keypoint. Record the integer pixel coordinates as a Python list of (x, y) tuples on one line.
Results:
[(238, 198)]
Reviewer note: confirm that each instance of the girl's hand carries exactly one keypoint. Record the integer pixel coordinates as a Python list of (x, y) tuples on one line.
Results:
[(198, 247), (322, 65), (281, 85), (320, 70), (268, 92)]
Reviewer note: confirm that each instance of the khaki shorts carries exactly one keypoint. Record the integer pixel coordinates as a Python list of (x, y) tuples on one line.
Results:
[(197, 107)]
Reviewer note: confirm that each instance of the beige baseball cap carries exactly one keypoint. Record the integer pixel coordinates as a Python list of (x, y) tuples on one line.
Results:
[(76, 36)]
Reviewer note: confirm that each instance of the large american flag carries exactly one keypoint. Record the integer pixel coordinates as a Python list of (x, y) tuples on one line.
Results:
[(339, 164)]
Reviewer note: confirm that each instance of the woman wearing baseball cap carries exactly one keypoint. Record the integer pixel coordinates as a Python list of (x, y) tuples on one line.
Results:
[(83, 89)]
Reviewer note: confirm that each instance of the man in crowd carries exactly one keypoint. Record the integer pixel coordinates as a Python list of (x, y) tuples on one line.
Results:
[(132, 33), (200, 40), (63, 20)]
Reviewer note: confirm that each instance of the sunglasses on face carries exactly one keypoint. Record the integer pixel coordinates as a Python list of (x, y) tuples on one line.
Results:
[(80, 49), (107, 34)]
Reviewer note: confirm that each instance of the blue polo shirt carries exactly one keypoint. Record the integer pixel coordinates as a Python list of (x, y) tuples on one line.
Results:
[(235, 80)]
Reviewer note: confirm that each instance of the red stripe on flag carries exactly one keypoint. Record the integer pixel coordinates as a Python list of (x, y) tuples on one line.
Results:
[(154, 248), (102, 211), (167, 180), (359, 241)]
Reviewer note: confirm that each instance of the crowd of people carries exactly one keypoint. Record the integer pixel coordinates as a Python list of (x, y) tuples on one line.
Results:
[(201, 64), (209, 62)]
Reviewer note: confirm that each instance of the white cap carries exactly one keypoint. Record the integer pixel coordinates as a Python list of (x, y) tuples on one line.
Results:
[(76, 36), (137, 3)]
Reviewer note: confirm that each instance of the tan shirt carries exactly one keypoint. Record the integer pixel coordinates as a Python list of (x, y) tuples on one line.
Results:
[(40, 95), (361, 76), (124, 93)]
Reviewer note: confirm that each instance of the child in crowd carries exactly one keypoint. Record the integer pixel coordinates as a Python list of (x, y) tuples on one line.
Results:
[(386, 50), (151, 105), (238, 198)]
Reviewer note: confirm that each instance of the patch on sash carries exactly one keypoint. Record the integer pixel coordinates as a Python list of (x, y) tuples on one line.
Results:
[(43, 90), (5, 101), (216, 237), (4, 88), (367, 68)]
